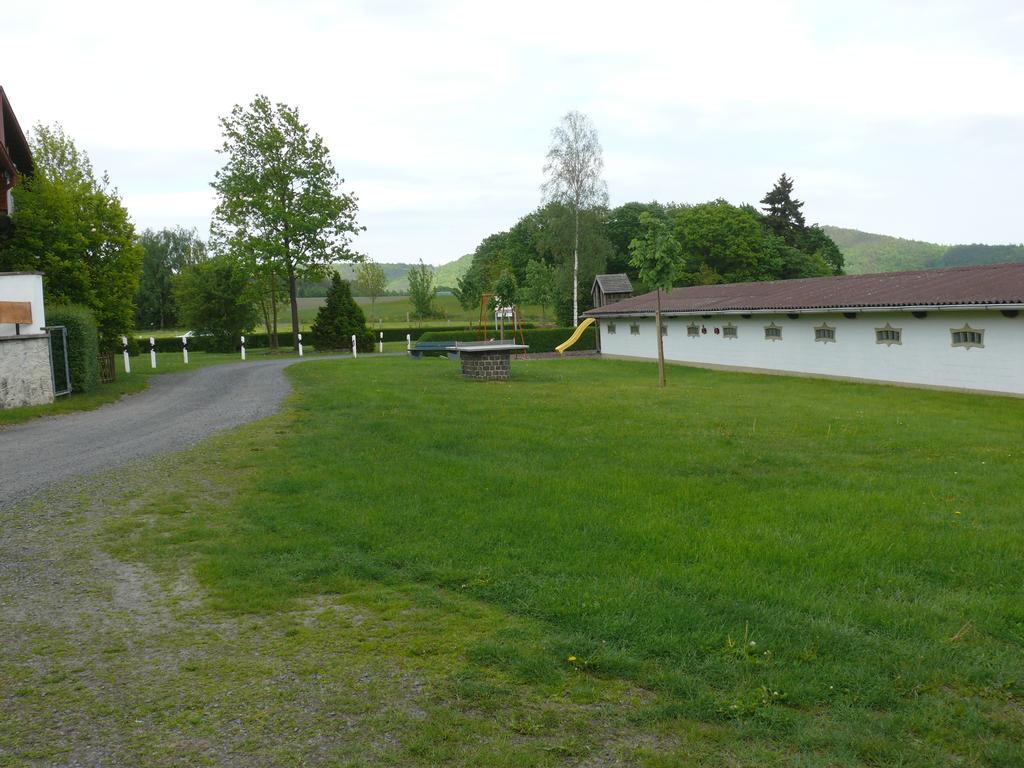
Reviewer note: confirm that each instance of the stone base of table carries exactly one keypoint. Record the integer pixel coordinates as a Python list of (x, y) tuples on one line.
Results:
[(486, 365), (487, 361)]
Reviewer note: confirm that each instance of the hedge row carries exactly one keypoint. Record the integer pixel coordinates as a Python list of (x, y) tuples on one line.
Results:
[(538, 339), (83, 344)]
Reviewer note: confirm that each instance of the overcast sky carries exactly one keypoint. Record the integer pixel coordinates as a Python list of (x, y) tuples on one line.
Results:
[(904, 118)]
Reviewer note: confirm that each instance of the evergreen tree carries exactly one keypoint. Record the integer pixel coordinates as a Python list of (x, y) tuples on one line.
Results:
[(783, 216), (339, 318)]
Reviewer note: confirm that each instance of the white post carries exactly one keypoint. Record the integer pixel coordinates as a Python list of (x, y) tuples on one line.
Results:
[(408, 342), (382, 342), (152, 352), (354, 353), (243, 347), (127, 360), (300, 345), (184, 348)]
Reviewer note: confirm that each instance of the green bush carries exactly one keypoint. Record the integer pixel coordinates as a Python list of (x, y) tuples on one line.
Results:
[(83, 344), (538, 339)]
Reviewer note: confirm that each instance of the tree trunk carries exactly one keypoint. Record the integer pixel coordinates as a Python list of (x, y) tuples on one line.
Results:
[(265, 311), (576, 273), (293, 295), (661, 342), (272, 339)]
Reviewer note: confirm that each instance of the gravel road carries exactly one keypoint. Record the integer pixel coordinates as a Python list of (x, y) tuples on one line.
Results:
[(175, 411)]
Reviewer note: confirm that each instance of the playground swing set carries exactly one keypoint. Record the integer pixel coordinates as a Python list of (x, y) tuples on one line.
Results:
[(501, 313)]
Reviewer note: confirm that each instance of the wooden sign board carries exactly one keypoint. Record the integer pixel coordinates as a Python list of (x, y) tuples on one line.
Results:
[(16, 312)]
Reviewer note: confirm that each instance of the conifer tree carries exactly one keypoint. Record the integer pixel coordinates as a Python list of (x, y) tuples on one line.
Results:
[(339, 318), (782, 214)]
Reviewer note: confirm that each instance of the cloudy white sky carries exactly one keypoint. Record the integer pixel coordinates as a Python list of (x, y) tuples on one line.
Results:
[(905, 118)]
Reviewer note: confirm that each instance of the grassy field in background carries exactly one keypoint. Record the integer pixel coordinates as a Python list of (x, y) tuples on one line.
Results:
[(767, 570)]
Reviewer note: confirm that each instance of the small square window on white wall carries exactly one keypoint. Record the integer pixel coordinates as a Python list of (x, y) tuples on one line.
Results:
[(967, 337), (611, 328), (634, 329), (888, 335), (729, 331), (773, 332), (825, 333)]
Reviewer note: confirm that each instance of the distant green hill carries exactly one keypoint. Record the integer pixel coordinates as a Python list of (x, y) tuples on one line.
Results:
[(446, 275), (397, 273), (866, 252)]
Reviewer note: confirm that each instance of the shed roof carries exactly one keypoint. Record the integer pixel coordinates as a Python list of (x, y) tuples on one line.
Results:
[(998, 284), (614, 284)]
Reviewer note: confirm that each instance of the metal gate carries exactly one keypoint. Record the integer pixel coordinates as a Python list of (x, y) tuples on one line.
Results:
[(60, 367), (107, 370)]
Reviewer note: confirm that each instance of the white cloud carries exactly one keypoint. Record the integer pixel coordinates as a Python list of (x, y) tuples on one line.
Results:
[(445, 109)]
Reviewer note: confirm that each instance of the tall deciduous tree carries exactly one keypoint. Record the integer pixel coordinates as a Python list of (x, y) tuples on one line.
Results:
[(215, 297), (574, 165), (782, 212), (371, 280), (657, 257), (166, 253), (72, 227), (540, 285), (422, 290), (280, 200)]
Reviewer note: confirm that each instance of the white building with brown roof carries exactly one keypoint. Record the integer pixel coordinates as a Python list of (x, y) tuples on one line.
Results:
[(958, 328)]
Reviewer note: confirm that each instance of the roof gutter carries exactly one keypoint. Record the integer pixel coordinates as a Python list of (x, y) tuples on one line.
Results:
[(804, 310)]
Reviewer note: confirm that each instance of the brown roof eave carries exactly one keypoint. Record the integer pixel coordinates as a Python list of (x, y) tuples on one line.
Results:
[(610, 311)]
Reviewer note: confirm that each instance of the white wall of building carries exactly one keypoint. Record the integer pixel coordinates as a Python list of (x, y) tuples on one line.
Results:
[(23, 286), (925, 356)]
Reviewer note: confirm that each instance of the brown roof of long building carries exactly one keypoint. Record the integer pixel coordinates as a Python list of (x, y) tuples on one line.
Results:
[(998, 284)]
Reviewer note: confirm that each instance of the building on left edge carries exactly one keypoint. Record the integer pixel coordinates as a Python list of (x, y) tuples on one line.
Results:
[(26, 370)]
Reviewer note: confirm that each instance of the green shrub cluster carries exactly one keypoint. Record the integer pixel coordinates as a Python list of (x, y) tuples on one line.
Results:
[(339, 319), (83, 344), (538, 339)]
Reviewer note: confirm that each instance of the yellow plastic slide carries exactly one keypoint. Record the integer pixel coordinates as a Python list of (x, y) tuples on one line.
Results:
[(575, 335)]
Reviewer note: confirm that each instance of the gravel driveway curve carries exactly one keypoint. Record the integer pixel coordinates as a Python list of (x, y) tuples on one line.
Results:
[(175, 411)]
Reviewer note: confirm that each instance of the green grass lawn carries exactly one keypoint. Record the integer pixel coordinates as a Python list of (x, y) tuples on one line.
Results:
[(796, 572)]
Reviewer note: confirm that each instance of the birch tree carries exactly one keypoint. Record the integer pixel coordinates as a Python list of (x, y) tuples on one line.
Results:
[(280, 200), (574, 165)]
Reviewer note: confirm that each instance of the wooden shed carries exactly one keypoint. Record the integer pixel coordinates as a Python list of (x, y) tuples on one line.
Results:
[(608, 289)]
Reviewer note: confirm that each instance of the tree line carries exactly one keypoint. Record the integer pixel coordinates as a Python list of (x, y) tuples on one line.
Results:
[(281, 217), (718, 243), (551, 255), (283, 220)]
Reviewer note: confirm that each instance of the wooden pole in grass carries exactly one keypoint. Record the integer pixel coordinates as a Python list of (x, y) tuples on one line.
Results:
[(661, 339)]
